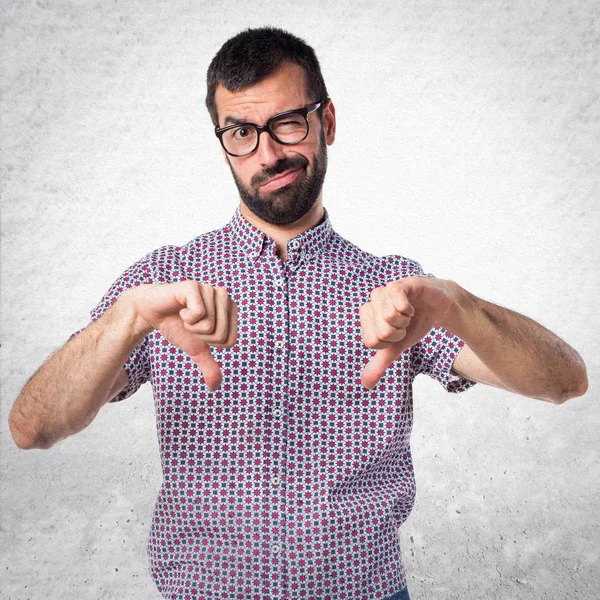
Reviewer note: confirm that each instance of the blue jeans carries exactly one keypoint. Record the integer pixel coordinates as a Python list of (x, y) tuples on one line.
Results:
[(401, 595)]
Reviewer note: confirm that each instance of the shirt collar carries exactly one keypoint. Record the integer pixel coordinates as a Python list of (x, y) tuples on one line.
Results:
[(252, 241)]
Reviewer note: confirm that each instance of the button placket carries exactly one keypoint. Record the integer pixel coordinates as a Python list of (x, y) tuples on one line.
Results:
[(280, 312)]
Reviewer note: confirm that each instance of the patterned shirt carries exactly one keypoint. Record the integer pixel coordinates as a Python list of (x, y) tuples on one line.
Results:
[(290, 480)]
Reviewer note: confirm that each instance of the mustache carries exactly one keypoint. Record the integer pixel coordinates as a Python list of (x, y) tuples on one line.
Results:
[(285, 164)]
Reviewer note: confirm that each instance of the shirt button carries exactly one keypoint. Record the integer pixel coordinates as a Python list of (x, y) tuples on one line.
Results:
[(276, 548), (275, 480), (279, 283), (279, 344), (277, 412), (294, 244)]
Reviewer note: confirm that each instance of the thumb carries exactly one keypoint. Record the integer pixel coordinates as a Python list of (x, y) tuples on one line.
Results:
[(377, 366), (210, 369), (172, 328)]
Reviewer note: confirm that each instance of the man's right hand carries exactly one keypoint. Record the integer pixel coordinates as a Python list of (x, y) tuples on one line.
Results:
[(192, 316)]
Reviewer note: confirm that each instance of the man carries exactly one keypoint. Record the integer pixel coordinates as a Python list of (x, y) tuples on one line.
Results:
[(286, 447)]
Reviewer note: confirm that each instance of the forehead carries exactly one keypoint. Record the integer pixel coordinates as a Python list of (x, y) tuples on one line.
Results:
[(283, 90)]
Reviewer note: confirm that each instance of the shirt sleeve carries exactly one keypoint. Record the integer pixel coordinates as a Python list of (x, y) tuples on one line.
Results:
[(435, 354), (137, 365)]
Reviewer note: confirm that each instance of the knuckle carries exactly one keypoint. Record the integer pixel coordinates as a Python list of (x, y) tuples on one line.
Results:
[(383, 330), (221, 291), (369, 342), (397, 291), (206, 327), (406, 306), (221, 337), (389, 313), (199, 309), (192, 285)]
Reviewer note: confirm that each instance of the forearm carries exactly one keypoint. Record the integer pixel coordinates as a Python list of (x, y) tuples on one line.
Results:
[(525, 356), (68, 390)]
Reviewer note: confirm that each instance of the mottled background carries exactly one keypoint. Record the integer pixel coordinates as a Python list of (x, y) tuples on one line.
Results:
[(468, 139)]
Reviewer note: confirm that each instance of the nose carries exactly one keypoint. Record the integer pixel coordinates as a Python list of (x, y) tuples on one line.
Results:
[(269, 152)]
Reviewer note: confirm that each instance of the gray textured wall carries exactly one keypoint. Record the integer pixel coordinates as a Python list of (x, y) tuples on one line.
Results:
[(468, 139)]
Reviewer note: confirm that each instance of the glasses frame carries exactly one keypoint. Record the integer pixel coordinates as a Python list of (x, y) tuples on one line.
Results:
[(304, 111)]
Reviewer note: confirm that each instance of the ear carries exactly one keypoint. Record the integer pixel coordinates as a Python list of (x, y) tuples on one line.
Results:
[(329, 122)]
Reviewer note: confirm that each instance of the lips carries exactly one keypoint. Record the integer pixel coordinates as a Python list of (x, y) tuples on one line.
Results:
[(282, 179)]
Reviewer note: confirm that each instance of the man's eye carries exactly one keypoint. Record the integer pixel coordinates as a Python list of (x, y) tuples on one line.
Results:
[(288, 125), (241, 133)]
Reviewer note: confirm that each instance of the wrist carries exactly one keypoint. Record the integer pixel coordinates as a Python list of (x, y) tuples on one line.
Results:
[(462, 303), (129, 319)]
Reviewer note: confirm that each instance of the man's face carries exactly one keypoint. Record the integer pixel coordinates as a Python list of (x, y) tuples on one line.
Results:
[(278, 183)]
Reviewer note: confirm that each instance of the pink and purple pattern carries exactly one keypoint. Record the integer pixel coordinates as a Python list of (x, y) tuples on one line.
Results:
[(290, 480)]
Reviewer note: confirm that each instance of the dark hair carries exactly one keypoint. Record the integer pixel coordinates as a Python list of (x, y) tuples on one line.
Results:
[(254, 54)]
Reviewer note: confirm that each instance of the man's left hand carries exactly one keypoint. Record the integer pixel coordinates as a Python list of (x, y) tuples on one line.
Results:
[(398, 316)]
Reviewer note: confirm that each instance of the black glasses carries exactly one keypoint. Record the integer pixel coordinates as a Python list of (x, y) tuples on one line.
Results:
[(289, 128)]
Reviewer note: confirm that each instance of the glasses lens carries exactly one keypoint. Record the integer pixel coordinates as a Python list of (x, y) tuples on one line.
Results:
[(240, 140), (289, 129)]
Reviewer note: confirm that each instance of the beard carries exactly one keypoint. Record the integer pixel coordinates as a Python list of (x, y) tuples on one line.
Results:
[(290, 202)]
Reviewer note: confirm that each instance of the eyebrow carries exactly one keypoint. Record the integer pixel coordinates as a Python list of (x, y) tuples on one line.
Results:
[(229, 120)]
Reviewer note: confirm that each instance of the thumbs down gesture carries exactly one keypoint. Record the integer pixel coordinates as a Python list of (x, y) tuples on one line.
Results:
[(398, 316)]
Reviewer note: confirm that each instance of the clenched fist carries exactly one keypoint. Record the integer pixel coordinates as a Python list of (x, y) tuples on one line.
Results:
[(192, 316), (398, 316)]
